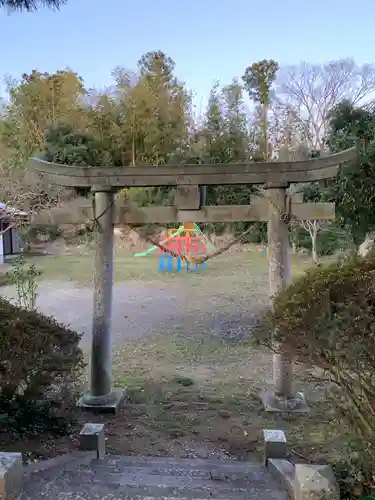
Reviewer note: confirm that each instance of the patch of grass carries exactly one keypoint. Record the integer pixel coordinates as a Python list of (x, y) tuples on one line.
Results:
[(181, 350), (78, 266), (211, 394), (224, 415)]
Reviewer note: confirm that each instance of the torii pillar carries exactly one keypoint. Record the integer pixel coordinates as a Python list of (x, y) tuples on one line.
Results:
[(281, 398), (101, 397)]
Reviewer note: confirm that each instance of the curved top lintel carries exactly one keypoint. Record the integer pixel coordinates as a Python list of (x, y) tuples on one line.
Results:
[(278, 172)]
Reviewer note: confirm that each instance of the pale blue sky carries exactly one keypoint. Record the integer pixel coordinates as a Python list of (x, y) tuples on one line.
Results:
[(208, 39)]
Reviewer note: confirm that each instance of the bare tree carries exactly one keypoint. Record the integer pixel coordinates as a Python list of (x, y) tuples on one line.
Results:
[(312, 227), (288, 134), (25, 198), (312, 90)]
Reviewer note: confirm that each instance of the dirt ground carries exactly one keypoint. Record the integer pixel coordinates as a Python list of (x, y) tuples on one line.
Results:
[(184, 350)]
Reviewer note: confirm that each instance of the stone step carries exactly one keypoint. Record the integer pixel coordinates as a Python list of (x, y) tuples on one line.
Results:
[(150, 478)]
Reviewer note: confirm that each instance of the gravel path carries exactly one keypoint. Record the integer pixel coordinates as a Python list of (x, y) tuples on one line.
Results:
[(139, 310)]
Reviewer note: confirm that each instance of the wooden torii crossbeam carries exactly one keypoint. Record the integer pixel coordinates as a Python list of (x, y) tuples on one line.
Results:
[(276, 173), (276, 207), (257, 210)]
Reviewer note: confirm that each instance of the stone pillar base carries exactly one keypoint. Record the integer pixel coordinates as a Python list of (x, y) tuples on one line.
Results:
[(276, 404), (109, 403)]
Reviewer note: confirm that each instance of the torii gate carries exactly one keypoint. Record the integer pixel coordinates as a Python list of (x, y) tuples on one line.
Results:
[(275, 177)]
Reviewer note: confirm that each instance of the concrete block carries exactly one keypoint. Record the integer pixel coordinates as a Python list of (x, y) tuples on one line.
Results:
[(315, 482), (92, 438), (274, 444), (283, 471), (11, 475)]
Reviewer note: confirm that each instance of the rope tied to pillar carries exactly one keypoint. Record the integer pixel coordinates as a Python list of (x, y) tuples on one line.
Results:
[(286, 214)]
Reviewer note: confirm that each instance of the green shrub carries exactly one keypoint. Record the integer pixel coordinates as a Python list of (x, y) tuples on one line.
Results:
[(50, 232), (326, 319), (328, 241), (40, 366), (25, 280)]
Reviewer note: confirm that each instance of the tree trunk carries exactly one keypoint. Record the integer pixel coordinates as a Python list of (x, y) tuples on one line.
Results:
[(314, 235), (265, 131), (312, 227)]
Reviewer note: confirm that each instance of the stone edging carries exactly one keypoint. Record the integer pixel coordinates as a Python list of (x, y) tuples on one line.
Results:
[(11, 475), (301, 481), (14, 475)]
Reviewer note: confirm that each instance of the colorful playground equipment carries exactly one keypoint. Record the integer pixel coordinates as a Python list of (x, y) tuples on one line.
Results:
[(186, 242)]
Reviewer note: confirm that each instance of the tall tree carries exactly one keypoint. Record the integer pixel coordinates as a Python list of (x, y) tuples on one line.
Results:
[(164, 105), (130, 97), (313, 90), (225, 140), (39, 101), (104, 122), (155, 118), (214, 130), (31, 5), (236, 122), (287, 134), (258, 80), (354, 189)]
